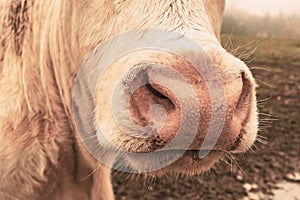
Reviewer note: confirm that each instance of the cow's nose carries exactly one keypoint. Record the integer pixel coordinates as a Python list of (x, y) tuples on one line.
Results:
[(151, 106), (160, 90)]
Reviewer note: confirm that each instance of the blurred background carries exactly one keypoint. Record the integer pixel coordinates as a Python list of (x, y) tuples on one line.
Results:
[(265, 34), (262, 18)]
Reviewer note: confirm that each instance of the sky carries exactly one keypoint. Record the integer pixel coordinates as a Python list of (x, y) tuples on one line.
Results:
[(262, 7)]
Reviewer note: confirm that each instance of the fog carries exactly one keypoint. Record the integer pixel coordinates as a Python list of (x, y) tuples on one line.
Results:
[(262, 7), (263, 18)]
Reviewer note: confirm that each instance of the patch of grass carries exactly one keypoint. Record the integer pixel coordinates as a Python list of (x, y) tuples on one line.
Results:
[(268, 51)]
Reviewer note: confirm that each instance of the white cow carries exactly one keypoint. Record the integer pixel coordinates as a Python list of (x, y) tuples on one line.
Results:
[(42, 46)]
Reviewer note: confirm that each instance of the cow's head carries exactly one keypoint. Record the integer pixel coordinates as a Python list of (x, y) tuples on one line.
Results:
[(153, 70)]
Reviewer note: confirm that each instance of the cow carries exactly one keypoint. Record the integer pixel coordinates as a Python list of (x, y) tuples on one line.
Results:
[(42, 46)]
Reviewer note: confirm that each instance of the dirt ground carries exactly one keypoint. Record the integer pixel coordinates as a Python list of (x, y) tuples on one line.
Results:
[(276, 66)]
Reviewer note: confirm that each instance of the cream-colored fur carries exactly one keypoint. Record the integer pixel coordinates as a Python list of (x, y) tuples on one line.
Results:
[(42, 44)]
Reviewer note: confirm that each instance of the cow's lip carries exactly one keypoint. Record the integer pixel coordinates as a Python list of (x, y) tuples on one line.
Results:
[(197, 154), (193, 153), (176, 160), (190, 162)]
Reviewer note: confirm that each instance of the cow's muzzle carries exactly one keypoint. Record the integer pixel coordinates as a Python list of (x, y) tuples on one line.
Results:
[(144, 107)]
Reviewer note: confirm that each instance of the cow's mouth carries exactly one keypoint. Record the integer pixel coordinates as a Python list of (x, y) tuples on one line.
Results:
[(188, 162), (195, 155)]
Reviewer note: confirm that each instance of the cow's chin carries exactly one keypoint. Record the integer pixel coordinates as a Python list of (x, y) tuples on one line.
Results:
[(189, 163)]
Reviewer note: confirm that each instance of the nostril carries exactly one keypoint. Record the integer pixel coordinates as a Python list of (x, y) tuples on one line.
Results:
[(243, 106), (242, 117), (145, 98), (244, 98), (155, 92), (156, 100)]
